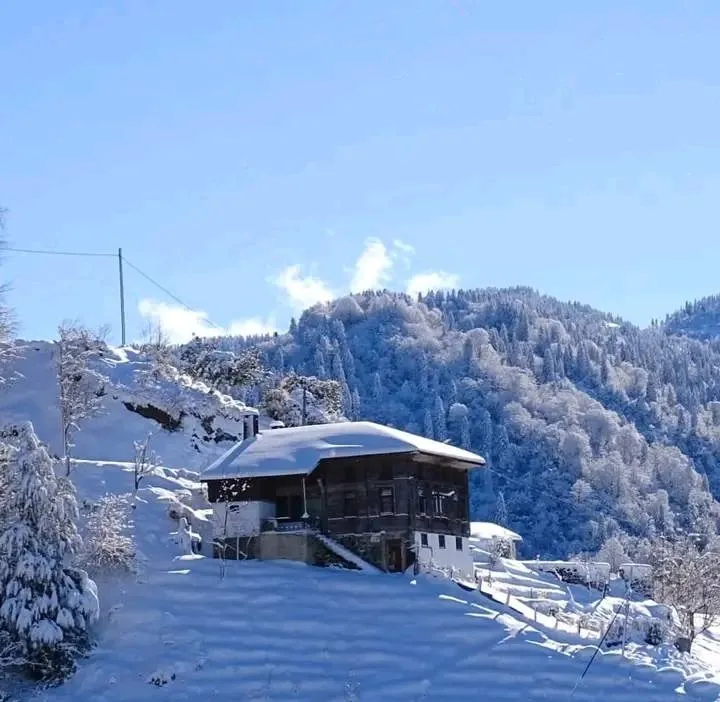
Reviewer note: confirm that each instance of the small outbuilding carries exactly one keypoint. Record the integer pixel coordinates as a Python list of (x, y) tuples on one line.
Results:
[(494, 538)]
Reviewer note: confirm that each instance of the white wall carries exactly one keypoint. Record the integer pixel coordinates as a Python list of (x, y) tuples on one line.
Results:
[(244, 518), (448, 557)]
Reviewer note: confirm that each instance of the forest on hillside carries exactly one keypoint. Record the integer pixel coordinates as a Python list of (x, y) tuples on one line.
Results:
[(599, 435)]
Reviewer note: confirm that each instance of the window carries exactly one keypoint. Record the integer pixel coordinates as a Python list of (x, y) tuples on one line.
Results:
[(423, 540), (256, 425), (288, 506), (462, 507), (350, 504), (421, 500), (458, 543), (441, 540), (282, 507), (387, 500), (385, 472), (438, 502)]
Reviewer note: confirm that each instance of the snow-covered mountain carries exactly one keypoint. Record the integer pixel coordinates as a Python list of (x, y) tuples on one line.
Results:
[(698, 320), (190, 423)]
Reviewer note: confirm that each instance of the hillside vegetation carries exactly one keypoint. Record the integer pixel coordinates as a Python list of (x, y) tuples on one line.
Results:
[(598, 434)]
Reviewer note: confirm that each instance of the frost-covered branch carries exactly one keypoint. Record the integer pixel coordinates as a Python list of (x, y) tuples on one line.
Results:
[(301, 399), (80, 388), (107, 545), (145, 461), (687, 577)]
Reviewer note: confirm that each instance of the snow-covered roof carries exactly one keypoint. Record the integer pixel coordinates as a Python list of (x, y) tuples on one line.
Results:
[(488, 530), (298, 450)]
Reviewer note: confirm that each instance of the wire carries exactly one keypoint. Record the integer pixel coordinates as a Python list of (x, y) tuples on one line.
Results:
[(167, 292), (597, 648), (110, 255), (56, 253)]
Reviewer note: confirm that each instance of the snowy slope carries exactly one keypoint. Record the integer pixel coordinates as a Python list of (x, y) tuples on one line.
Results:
[(286, 631), (32, 395)]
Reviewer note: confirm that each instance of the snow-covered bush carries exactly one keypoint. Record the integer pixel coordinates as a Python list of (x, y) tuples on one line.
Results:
[(107, 546), (304, 400), (48, 606)]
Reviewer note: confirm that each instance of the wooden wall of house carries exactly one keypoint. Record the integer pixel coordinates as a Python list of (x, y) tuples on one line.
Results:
[(347, 494), (352, 494)]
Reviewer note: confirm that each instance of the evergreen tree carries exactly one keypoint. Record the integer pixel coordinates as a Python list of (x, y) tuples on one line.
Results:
[(465, 433), (48, 606), (439, 422), (484, 433), (548, 369), (500, 443), (428, 425), (356, 404), (501, 514), (320, 370)]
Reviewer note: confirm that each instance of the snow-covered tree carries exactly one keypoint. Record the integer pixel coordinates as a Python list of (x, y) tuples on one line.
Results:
[(301, 399), (687, 577), (428, 429), (222, 370), (80, 388), (501, 513), (439, 423), (107, 546), (144, 463), (47, 606)]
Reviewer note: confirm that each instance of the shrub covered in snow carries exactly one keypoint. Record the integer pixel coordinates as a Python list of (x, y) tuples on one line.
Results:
[(107, 545)]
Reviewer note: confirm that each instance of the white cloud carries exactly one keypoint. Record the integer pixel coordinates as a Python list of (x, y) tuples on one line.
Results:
[(302, 292), (403, 251), (179, 324), (404, 247), (373, 267), (431, 280)]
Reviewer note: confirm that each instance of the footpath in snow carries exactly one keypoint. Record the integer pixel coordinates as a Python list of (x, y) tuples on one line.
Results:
[(286, 631)]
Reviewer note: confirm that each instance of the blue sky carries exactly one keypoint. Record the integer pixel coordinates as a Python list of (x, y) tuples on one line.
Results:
[(255, 157)]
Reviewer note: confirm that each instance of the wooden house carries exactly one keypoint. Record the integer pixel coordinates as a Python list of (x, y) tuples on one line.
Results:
[(390, 497)]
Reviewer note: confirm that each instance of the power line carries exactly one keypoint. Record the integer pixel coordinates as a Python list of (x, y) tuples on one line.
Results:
[(50, 252), (55, 253), (167, 292)]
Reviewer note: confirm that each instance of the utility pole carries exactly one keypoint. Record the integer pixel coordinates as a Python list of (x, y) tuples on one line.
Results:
[(304, 404), (122, 297)]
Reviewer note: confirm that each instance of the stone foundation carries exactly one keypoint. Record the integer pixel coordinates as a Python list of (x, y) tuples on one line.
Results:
[(272, 546)]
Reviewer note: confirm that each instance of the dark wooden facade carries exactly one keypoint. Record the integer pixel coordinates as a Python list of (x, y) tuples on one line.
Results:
[(373, 505)]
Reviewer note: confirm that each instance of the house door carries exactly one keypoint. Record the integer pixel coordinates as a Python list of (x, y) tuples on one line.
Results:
[(394, 555)]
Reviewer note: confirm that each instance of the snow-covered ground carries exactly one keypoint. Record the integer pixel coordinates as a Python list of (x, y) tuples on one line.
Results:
[(287, 631), (282, 631)]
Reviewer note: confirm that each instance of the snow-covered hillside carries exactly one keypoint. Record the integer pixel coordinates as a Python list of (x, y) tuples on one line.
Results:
[(287, 631), (198, 423)]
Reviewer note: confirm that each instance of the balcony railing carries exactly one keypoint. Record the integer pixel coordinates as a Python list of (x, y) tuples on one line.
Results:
[(291, 525)]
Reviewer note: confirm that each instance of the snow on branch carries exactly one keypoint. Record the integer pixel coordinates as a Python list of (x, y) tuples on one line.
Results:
[(80, 388)]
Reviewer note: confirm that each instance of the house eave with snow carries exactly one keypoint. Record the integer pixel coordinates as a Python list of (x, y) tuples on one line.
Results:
[(391, 497)]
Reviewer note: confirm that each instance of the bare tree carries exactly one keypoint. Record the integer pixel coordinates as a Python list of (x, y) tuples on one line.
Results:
[(7, 319), (687, 577), (80, 388), (145, 461)]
